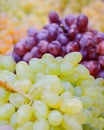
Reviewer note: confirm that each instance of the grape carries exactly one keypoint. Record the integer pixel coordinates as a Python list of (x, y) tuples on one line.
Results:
[(41, 124), (35, 52), (24, 114), (55, 118), (6, 127), (40, 110), (27, 57), (4, 95), (53, 17), (70, 19), (100, 48), (42, 35), (16, 57), (32, 32), (101, 60)]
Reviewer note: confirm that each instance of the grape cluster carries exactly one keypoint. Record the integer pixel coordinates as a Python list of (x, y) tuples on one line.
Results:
[(50, 94), (62, 36)]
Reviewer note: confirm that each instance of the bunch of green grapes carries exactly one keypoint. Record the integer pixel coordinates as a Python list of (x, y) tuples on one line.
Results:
[(50, 94)]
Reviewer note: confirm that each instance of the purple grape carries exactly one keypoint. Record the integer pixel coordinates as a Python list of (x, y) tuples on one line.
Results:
[(16, 57), (27, 57), (82, 21), (60, 30), (101, 60), (64, 26), (30, 42), (62, 39), (78, 37), (42, 35), (72, 46), (101, 74), (53, 17), (86, 43), (55, 48), (35, 52), (92, 55), (70, 19), (98, 38), (100, 48), (63, 51), (84, 53), (20, 49), (32, 32), (43, 46)]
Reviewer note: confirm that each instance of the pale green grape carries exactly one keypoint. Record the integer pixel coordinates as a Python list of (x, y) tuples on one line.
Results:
[(95, 111), (66, 95), (6, 111), (7, 63), (77, 91), (23, 71), (68, 86), (86, 101), (38, 76), (8, 76), (52, 69), (59, 60), (99, 82), (47, 59), (27, 126), (55, 118), (13, 121), (3, 122), (71, 123), (24, 114), (36, 66), (73, 57), (71, 106), (56, 128), (66, 68), (4, 95), (23, 85), (52, 99), (17, 99), (40, 109), (50, 82), (41, 124)]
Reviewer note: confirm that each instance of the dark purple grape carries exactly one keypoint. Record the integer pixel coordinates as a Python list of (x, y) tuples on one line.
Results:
[(62, 39), (72, 46), (70, 19), (43, 46), (82, 21), (29, 43), (27, 57), (53, 17), (100, 48), (55, 48), (93, 67), (60, 30), (91, 55), (20, 49), (101, 74), (63, 51), (86, 43), (16, 57), (64, 26), (73, 30), (98, 38), (32, 32), (35, 52), (78, 37), (42, 35), (101, 60), (84, 53)]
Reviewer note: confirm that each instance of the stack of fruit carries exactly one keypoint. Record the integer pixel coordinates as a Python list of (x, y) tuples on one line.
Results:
[(62, 36)]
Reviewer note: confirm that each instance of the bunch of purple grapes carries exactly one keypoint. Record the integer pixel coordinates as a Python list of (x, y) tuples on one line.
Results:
[(62, 36)]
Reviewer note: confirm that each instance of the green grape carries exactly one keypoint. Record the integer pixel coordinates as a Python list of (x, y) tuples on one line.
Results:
[(4, 95), (73, 57), (59, 60), (77, 91), (70, 123), (7, 63), (23, 71), (36, 66), (3, 122), (24, 114), (66, 95), (86, 101), (38, 76), (7, 76), (6, 111), (52, 99), (40, 109), (27, 126), (56, 128), (23, 85), (13, 121), (71, 106), (95, 111), (55, 118), (68, 86), (99, 82), (41, 124), (52, 69), (17, 100), (66, 68)]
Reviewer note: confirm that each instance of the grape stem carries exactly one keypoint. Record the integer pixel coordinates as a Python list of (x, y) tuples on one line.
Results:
[(4, 84)]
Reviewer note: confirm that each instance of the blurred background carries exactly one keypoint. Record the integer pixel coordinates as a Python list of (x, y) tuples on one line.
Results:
[(16, 16)]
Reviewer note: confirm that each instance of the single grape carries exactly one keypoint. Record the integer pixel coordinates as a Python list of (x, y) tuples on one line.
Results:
[(100, 48), (35, 52), (32, 32), (101, 60), (70, 19)]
